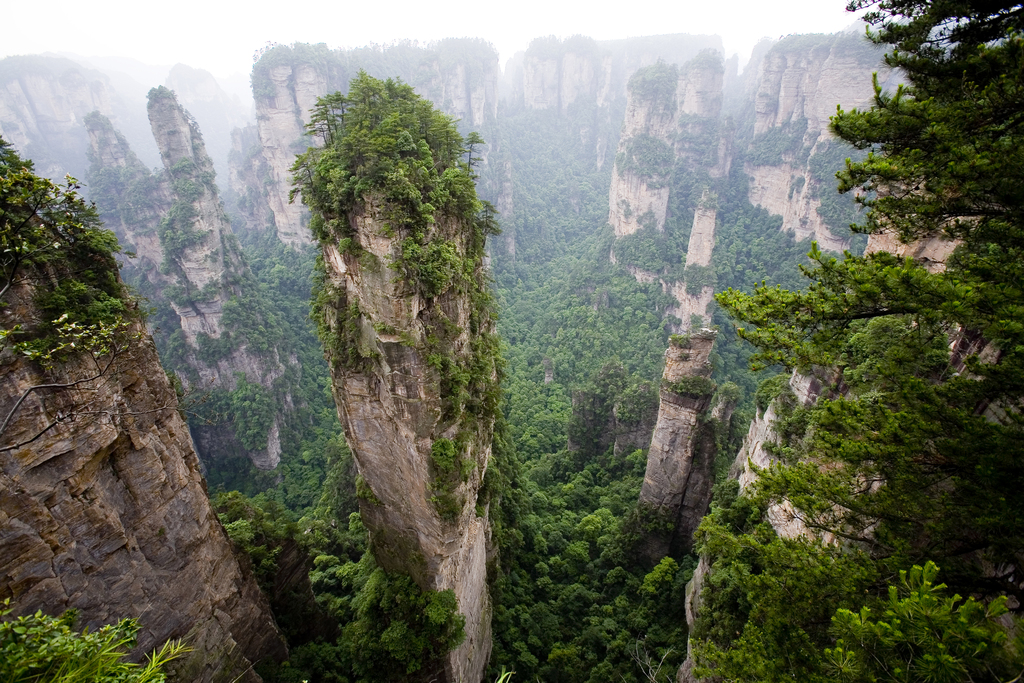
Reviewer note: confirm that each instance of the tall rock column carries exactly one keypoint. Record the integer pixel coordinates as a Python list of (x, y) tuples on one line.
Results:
[(695, 292), (190, 266), (638, 195), (680, 463), (406, 321), (671, 129)]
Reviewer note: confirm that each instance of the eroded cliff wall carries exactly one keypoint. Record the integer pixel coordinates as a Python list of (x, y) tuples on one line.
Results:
[(103, 507), (677, 484), (43, 103), (672, 128), (188, 263), (793, 156)]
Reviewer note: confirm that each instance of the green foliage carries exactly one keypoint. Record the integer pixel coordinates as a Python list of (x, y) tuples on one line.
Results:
[(656, 85), (252, 413), (41, 649), (923, 635), (692, 386), (915, 453), (48, 233), (653, 250), (774, 145), (767, 600), (390, 148), (698, 277), (363, 623), (646, 157), (450, 469), (769, 389)]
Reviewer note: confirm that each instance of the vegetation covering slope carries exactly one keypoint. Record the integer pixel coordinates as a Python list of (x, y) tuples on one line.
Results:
[(914, 457)]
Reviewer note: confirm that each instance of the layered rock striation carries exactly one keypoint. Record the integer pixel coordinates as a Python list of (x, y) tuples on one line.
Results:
[(103, 507), (189, 264), (677, 484), (671, 129)]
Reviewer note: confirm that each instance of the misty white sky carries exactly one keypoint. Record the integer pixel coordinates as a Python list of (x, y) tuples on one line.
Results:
[(222, 36)]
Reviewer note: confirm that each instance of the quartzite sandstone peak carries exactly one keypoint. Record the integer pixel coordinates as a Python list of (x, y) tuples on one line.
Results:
[(409, 334), (680, 462), (188, 262)]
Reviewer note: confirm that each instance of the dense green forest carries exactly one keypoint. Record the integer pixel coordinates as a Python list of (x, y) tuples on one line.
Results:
[(882, 542), (568, 552)]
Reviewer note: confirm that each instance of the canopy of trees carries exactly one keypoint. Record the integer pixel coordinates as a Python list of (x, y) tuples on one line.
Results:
[(915, 455)]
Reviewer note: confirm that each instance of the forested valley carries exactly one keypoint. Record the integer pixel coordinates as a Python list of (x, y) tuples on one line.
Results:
[(617, 363)]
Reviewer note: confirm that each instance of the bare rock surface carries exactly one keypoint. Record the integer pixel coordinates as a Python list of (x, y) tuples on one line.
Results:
[(391, 409), (106, 512), (679, 475)]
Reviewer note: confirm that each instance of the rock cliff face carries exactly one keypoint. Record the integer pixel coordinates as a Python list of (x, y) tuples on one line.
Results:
[(217, 112), (802, 390), (677, 484), (249, 173), (670, 115), (554, 76), (103, 507), (662, 101), (800, 82), (394, 416), (43, 103), (460, 77), (188, 260), (692, 296)]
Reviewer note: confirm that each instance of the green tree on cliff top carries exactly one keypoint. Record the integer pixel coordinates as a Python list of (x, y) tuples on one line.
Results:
[(916, 453)]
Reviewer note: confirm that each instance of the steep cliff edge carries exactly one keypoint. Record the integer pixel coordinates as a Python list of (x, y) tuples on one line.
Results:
[(102, 505), (671, 131), (793, 157), (680, 463), (189, 264), (406, 321)]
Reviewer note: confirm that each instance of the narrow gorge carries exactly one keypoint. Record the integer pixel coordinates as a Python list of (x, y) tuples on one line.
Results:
[(604, 360)]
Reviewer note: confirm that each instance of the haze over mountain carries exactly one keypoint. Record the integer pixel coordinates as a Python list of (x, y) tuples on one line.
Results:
[(595, 347), (217, 37)]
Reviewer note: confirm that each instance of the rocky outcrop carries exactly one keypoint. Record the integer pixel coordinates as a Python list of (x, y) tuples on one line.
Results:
[(217, 112), (43, 103), (188, 262), (803, 390), (420, 509), (671, 115), (557, 74), (554, 74), (460, 76), (800, 82), (248, 183), (103, 508), (680, 463), (662, 99), (695, 293)]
